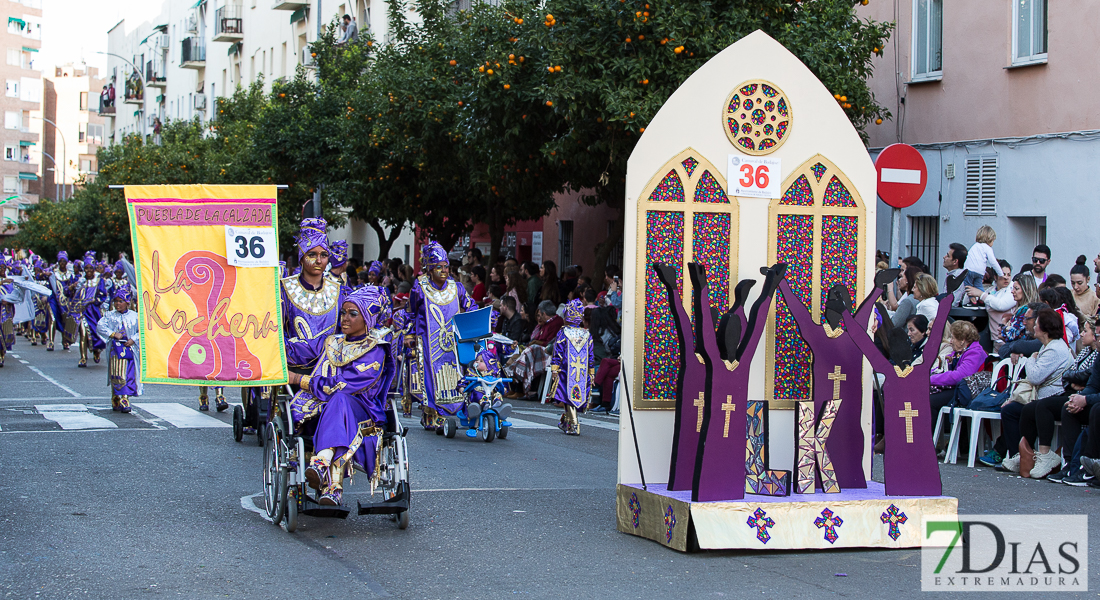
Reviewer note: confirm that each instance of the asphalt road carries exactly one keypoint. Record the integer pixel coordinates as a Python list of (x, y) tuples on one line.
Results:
[(165, 504)]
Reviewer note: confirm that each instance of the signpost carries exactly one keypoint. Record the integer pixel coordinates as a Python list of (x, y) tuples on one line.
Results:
[(902, 178)]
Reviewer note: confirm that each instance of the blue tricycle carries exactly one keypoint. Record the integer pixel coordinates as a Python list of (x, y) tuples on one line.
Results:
[(486, 415)]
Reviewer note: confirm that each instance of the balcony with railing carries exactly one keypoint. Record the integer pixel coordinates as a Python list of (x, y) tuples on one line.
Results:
[(155, 73), (134, 92), (290, 4), (229, 23), (192, 53)]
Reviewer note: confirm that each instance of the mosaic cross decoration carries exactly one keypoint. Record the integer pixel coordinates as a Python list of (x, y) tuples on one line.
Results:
[(761, 522), (829, 523), (635, 509), (908, 414), (896, 519), (759, 479), (836, 376), (670, 522), (728, 406)]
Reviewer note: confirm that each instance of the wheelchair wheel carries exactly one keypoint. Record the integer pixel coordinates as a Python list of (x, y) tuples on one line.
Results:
[(275, 477), (503, 433), (403, 520), (450, 428), (238, 423), (489, 431), (294, 496)]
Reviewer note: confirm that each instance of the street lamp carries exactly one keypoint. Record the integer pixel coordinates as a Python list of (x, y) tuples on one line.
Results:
[(64, 152), (144, 88)]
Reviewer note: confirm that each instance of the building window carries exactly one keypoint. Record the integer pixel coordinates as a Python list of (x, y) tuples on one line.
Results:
[(924, 241), (83, 100), (15, 57), (981, 186), (11, 153), (1029, 31), (86, 165), (927, 39), (11, 184), (13, 120), (95, 134), (12, 89), (565, 245)]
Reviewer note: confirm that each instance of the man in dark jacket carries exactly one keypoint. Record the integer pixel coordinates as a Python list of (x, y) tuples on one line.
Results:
[(511, 324)]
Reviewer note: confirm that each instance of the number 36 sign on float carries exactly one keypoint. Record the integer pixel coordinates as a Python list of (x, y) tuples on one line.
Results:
[(754, 176), (208, 284)]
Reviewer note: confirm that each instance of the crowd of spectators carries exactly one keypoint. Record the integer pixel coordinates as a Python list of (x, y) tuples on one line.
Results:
[(1042, 325)]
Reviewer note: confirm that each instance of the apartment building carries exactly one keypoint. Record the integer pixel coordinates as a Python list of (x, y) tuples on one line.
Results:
[(21, 101), (73, 130), (1000, 97)]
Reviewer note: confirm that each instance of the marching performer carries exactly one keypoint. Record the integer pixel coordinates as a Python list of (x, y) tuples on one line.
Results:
[(61, 276), (434, 300), (571, 368), (40, 325), (90, 293), (219, 398), (7, 311), (348, 389), (310, 300), (119, 329)]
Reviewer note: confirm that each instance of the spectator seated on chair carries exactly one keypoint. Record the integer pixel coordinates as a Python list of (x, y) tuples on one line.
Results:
[(1035, 419), (906, 306), (1086, 299), (948, 386), (925, 291), (1000, 302)]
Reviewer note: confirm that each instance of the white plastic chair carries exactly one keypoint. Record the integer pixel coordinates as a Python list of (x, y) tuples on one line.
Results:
[(1012, 372)]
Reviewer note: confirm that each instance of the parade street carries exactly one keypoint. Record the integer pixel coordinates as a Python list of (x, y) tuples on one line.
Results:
[(163, 503)]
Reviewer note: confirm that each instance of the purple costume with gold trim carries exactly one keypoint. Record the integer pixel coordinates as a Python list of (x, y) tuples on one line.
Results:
[(348, 389), (122, 361), (309, 314), (572, 367), (430, 311)]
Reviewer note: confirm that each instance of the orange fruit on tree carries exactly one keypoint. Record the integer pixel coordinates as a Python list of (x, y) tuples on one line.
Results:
[(507, 86), (549, 103), (878, 121), (453, 63), (678, 49)]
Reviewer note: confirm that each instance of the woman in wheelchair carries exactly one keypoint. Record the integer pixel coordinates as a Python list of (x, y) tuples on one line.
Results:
[(343, 401)]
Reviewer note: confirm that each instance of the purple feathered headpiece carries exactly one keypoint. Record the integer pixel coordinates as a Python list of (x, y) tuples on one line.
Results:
[(312, 235), (339, 253), (433, 255)]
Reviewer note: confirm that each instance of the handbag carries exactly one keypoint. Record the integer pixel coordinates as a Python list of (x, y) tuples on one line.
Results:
[(979, 382), (1024, 392)]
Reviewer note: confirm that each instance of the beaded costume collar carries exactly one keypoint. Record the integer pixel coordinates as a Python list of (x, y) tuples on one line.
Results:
[(319, 302)]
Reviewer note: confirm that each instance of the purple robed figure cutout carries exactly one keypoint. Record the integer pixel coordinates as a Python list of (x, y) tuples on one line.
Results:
[(837, 367), (717, 470), (909, 461)]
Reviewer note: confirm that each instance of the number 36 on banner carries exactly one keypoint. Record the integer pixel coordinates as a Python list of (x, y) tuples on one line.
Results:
[(755, 177), (251, 247)]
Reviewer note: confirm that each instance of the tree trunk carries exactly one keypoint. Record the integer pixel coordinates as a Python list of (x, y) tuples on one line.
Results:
[(496, 237), (604, 249), (385, 241)]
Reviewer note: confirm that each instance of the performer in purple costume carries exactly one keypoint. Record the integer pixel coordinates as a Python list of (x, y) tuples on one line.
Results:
[(7, 312), (348, 389), (311, 300), (90, 294), (572, 368), (119, 328), (63, 274), (434, 300)]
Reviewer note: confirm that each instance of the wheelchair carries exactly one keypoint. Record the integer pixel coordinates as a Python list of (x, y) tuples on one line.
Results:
[(286, 456)]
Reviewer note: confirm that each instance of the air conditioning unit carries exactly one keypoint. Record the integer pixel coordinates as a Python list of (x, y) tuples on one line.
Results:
[(162, 41), (306, 58), (200, 102), (193, 24)]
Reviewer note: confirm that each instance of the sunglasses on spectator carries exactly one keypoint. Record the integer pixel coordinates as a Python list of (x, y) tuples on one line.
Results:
[(1039, 261)]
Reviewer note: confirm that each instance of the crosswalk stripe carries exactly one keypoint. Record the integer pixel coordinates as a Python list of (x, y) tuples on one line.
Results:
[(180, 416), (69, 416), (522, 424), (584, 420)]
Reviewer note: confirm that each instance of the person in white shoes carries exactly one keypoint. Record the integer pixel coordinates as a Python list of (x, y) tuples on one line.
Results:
[(1044, 372)]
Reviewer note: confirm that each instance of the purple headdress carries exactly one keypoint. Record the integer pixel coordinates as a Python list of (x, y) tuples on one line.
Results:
[(124, 292), (433, 255), (312, 235), (375, 268), (574, 313), (62, 255), (372, 303), (339, 253)]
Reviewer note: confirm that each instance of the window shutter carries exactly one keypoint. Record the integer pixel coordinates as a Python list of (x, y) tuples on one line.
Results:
[(981, 186)]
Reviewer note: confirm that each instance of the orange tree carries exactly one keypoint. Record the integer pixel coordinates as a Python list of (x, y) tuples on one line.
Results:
[(616, 62)]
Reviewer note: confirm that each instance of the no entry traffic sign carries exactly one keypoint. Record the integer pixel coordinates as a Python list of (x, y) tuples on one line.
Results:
[(902, 175)]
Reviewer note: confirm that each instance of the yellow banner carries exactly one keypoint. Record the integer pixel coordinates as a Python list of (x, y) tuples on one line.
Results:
[(208, 284)]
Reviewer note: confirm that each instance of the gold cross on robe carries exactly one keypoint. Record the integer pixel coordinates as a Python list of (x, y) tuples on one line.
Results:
[(908, 414)]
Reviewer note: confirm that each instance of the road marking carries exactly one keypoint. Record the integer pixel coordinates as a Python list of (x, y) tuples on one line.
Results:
[(180, 416), (584, 420), (54, 381), (26, 362), (522, 424), (248, 504), (68, 416), (900, 176)]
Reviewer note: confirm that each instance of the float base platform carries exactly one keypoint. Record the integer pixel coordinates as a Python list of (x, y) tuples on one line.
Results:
[(855, 518)]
